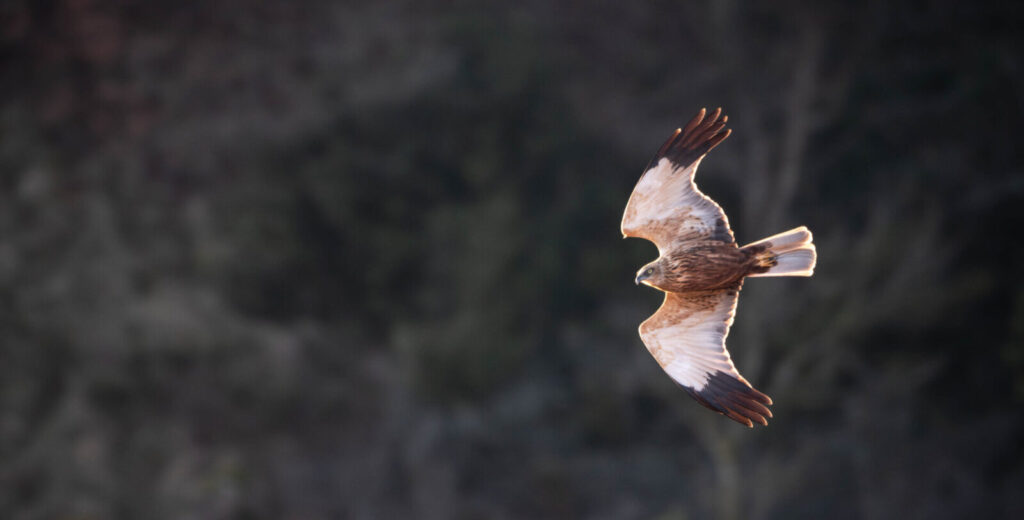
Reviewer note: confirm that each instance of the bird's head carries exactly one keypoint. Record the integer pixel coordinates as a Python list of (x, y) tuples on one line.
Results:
[(650, 274)]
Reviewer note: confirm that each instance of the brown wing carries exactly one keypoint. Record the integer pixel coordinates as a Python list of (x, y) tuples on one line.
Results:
[(666, 205), (687, 338)]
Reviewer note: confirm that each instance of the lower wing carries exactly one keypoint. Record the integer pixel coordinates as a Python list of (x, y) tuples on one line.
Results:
[(687, 338)]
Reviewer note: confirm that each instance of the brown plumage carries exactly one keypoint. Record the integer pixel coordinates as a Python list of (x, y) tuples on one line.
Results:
[(701, 270)]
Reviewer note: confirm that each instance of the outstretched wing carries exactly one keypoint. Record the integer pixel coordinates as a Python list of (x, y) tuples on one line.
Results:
[(687, 338), (666, 205)]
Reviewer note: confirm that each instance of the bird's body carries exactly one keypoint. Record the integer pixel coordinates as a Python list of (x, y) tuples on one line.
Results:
[(706, 264), (701, 270)]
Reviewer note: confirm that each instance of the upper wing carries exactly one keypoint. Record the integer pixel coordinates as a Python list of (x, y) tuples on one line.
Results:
[(687, 338), (666, 205)]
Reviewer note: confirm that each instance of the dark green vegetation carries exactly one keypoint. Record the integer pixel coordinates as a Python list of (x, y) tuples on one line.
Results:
[(339, 262)]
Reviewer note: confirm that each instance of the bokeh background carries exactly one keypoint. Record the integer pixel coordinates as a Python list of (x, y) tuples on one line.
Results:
[(316, 260)]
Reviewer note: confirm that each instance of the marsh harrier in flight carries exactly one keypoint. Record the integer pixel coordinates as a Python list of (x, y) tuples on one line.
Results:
[(701, 269)]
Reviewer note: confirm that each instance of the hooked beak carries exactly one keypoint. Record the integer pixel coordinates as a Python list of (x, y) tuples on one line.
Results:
[(640, 278)]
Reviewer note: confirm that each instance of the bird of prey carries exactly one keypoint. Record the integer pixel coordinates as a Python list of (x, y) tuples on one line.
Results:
[(701, 269)]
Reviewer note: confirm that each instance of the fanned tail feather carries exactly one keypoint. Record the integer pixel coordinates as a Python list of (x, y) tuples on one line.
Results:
[(790, 253)]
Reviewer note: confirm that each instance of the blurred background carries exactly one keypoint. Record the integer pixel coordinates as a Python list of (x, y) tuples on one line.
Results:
[(316, 260)]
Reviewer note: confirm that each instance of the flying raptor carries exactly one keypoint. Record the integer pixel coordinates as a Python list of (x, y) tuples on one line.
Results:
[(701, 270)]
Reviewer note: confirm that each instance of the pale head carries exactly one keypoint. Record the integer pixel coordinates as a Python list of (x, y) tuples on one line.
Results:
[(651, 274)]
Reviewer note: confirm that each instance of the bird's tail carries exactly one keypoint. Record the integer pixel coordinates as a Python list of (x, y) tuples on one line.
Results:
[(790, 253)]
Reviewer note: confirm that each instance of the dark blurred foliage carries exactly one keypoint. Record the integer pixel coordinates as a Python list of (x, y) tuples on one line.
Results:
[(362, 260)]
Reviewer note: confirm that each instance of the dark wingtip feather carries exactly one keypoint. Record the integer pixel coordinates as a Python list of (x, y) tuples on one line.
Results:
[(734, 399), (668, 143), (688, 144), (695, 121)]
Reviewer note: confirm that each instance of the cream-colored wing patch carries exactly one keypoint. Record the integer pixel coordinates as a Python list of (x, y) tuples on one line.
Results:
[(666, 207), (687, 338)]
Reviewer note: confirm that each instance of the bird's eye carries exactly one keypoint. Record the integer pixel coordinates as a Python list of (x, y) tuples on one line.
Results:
[(650, 271)]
